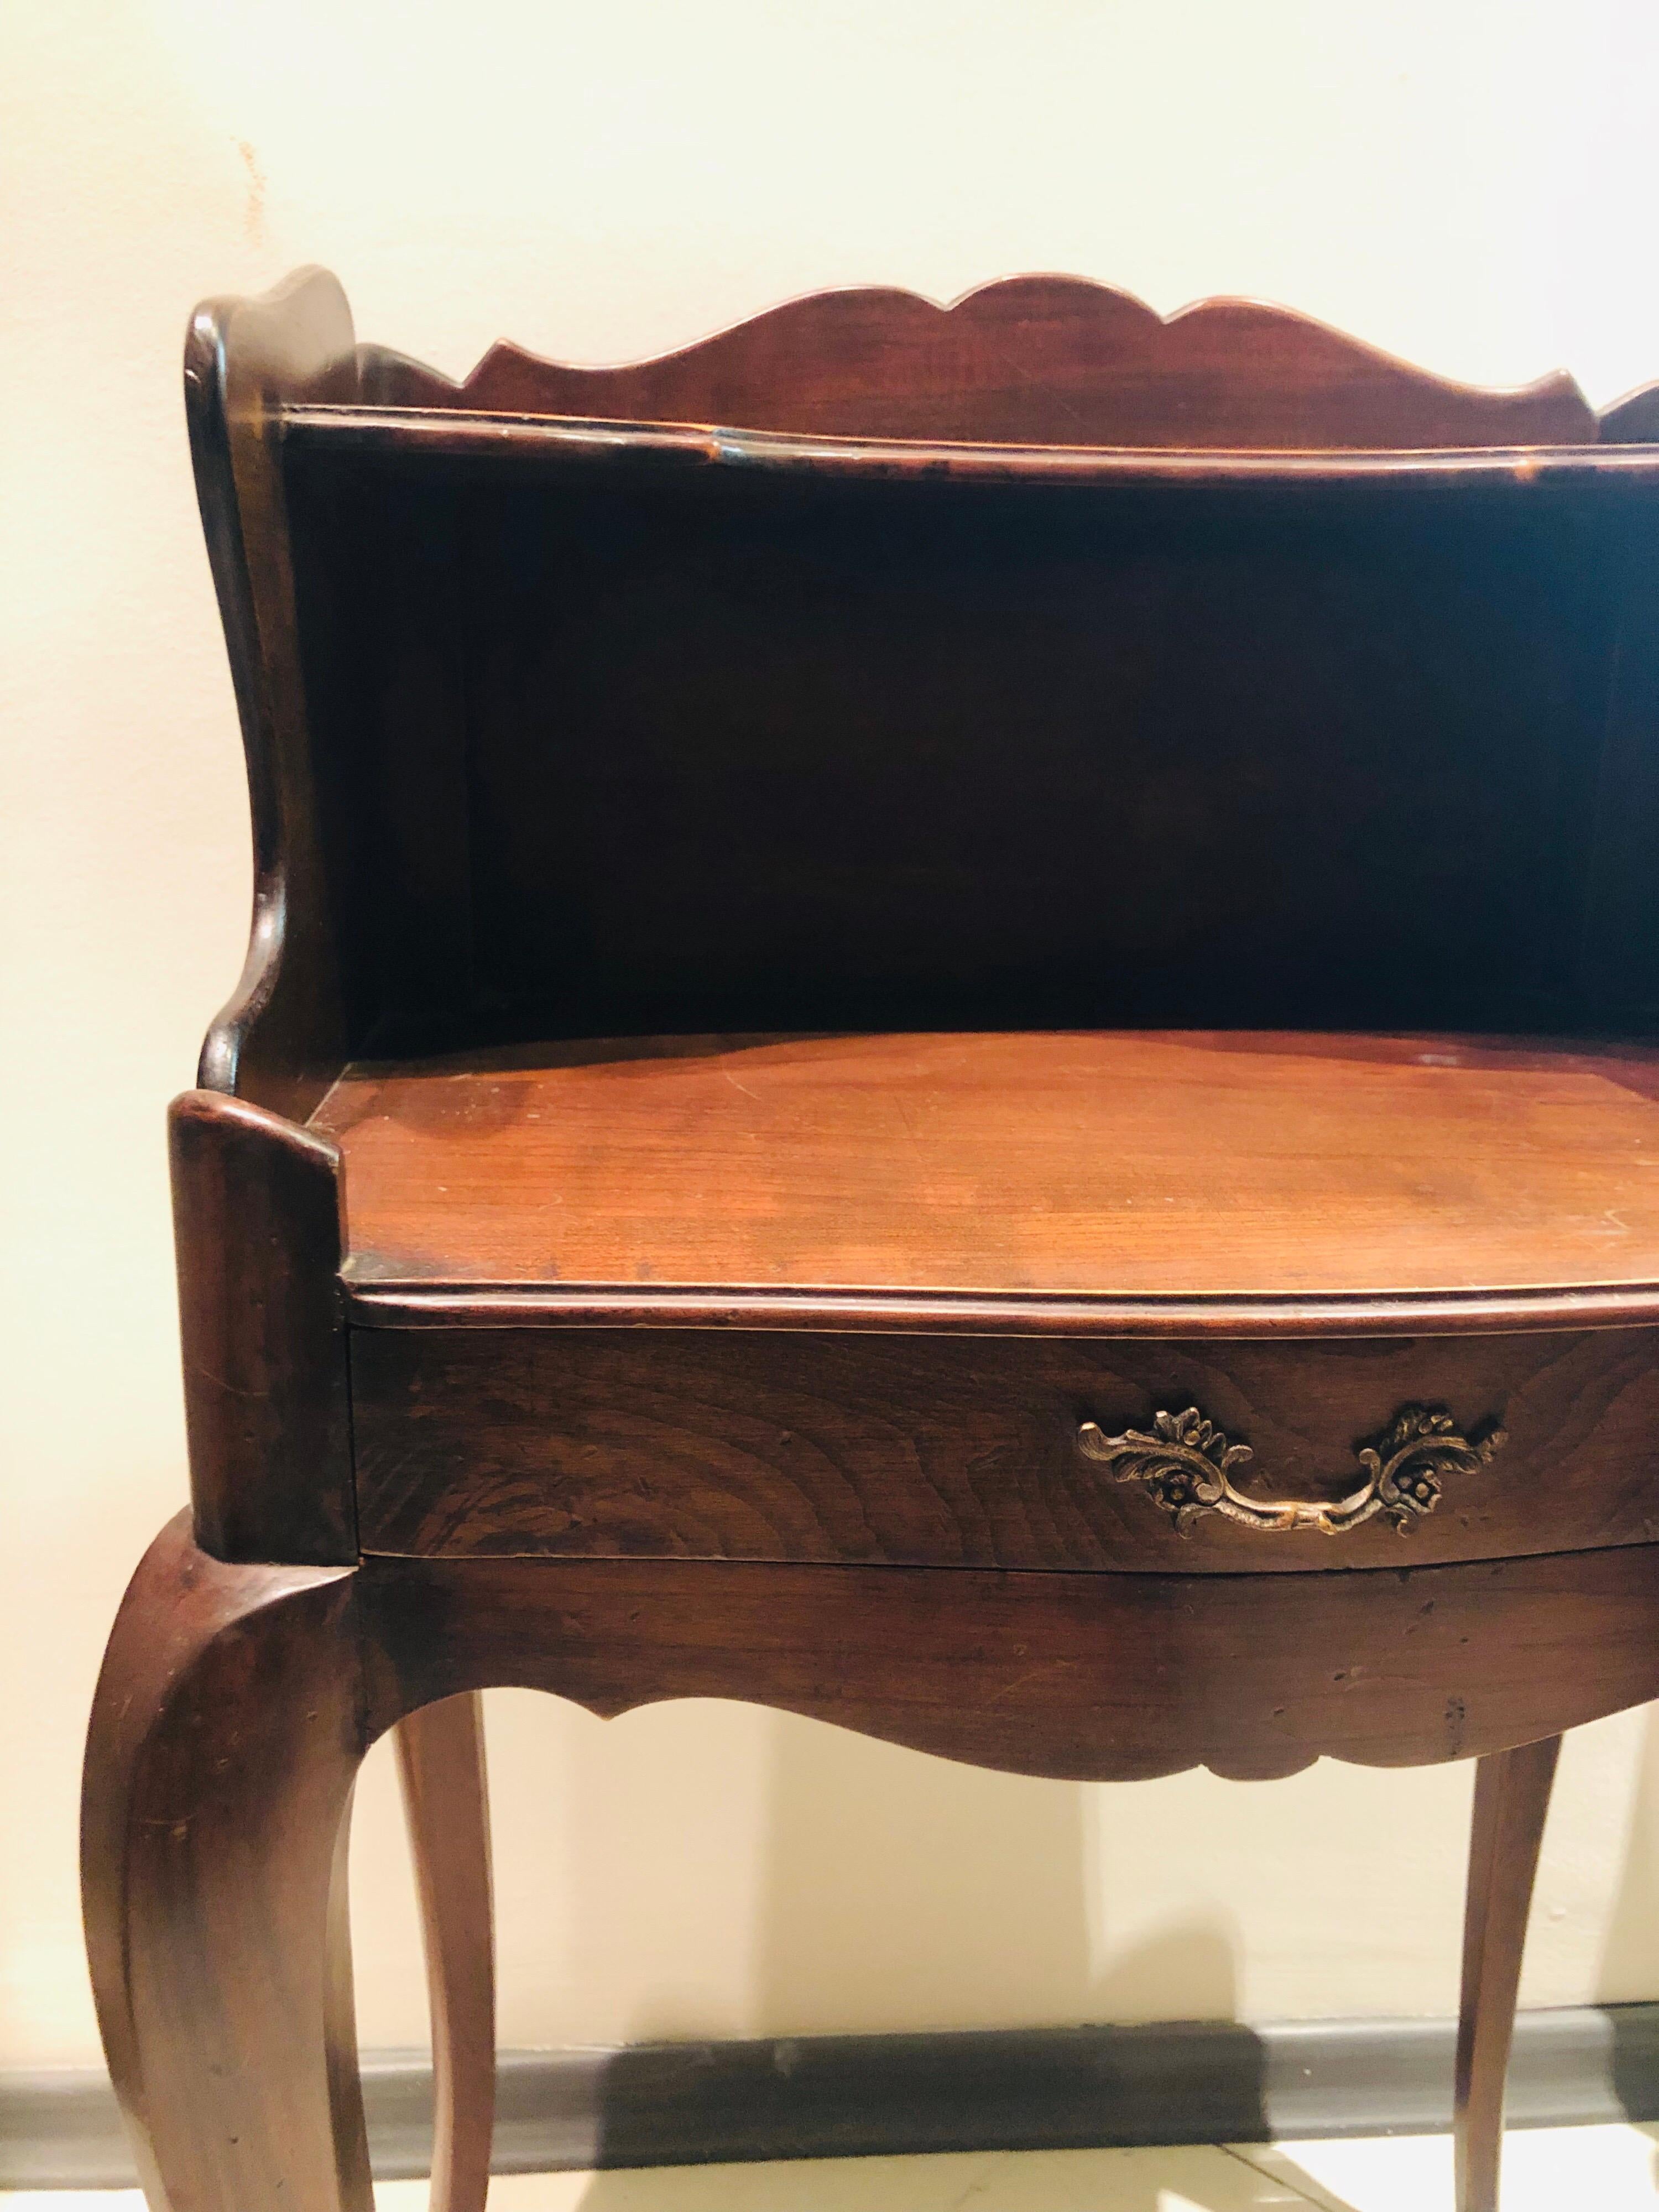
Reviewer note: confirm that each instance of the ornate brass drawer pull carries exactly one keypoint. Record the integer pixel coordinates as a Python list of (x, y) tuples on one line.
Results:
[(1185, 1461)]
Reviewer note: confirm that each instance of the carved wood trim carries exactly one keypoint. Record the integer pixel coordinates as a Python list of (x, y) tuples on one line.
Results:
[(1046, 360), (1634, 419), (377, 1303), (1082, 1676)]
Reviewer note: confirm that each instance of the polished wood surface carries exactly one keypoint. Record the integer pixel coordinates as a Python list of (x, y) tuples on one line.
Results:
[(440, 1767), (635, 451), (963, 1451), (259, 1235), (1213, 1165), (1333, 747), (1113, 856), (226, 1733), (1632, 419), (283, 1031), (1091, 1677), (237, 1701), (1512, 1797), (1047, 359)]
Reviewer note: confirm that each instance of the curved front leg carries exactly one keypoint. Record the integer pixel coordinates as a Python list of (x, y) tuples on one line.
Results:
[(226, 1733)]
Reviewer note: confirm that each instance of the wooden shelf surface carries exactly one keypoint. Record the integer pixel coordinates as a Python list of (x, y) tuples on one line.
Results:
[(1127, 1164)]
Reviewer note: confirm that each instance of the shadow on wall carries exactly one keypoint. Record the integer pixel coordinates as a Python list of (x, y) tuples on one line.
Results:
[(1630, 1956), (902, 1892), (905, 1891)]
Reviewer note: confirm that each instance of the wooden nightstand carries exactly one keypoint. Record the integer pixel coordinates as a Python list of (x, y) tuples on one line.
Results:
[(967, 1056)]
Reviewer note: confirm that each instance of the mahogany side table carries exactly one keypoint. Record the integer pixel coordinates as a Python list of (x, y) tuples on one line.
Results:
[(970, 1055)]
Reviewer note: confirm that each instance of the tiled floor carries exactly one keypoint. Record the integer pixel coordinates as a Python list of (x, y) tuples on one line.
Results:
[(1545, 2170)]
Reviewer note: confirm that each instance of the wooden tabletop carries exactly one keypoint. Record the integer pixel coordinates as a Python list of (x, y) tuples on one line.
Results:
[(1138, 1163)]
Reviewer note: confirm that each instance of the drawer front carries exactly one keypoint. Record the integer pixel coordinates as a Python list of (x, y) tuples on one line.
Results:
[(956, 1451)]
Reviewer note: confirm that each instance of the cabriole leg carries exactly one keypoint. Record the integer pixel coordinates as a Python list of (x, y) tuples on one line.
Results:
[(441, 1760), (225, 1737), (1512, 1797)]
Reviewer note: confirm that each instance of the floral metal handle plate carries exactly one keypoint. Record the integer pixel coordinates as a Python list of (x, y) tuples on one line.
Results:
[(1186, 1462)]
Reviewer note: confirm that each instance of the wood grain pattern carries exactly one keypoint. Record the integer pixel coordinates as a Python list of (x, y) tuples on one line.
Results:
[(1110, 1676), (1512, 1797), (1215, 674), (1127, 1164), (440, 1767), (962, 1452), (284, 1032), (225, 1737), (1105, 1677), (1038, 359), (236, 1702), (258, 1226), (377, 849)]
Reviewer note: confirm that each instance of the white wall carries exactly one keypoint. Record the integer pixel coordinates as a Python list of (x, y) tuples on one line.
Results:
[(1470, 184)]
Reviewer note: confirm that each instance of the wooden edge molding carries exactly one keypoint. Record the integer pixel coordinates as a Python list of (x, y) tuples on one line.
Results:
[(574, 441), (278, 1039), (1045, 2088), (374, 1302), (1037, 358), (258, 1223)]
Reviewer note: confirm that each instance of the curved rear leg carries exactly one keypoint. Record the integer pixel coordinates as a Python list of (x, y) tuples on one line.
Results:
[(1512, 1797), (226, 1735), (441, 1762)]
